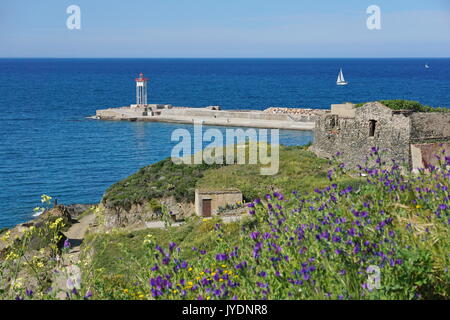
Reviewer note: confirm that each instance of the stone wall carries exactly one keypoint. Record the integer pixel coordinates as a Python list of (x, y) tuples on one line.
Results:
[(430, 126), (345, 110), (423, 155), (351, 136), (140, 213)]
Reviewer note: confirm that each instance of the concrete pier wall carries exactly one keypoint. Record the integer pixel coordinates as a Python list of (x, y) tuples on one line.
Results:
[(252, 115), (252, 118)]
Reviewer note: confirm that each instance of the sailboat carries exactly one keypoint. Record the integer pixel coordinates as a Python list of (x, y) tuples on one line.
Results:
[(427, 66), (340, 80)]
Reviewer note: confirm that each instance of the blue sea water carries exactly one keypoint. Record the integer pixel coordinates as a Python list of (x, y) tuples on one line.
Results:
[(47, 146)]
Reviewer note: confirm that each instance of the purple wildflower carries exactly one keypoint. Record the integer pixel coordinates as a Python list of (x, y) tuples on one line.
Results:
[(221, 257), (66, 244), (254, 235)]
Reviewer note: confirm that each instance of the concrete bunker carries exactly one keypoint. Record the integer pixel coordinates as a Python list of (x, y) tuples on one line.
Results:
[(208, 201)]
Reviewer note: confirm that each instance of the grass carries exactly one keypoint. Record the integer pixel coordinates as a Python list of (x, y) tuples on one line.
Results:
[(109, 247), (162, 179), (114, 254), (300, 170), (408, 105), (312, 246)]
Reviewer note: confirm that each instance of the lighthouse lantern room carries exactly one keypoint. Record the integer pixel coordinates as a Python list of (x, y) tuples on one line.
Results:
[(141, 90)]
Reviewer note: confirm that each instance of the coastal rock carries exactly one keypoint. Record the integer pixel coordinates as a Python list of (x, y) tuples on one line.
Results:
[(75, 210), (38, 240), (140, 213), (59, 211)]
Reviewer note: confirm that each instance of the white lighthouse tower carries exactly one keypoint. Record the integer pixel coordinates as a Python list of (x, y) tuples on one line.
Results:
[(141, 90)]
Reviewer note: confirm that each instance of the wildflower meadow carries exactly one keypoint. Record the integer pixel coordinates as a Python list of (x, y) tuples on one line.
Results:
[(386, 238), (322, 245)]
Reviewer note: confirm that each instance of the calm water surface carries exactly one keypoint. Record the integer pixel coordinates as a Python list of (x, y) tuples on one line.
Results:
[(48, 146)]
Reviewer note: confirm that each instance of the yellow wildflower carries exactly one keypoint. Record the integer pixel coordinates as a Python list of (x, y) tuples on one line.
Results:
[(6, 236), (125, 290), (11, 256), (418, 206), (18, 284), (45, 198), (190, 269)]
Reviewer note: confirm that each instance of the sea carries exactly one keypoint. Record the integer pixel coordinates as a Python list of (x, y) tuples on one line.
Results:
[(49, 146)]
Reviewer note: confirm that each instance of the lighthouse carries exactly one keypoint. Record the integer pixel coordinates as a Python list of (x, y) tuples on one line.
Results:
[(141, 90)]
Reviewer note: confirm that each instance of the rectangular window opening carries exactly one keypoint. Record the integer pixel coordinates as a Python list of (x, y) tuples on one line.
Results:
[(372, 126)]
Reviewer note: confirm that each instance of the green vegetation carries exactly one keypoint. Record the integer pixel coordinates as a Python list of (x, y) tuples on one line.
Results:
[(159, 180), (28, 259), (121, 256), (315, 246), (118, 252), (321, 239), (408, 105), (299, 170)]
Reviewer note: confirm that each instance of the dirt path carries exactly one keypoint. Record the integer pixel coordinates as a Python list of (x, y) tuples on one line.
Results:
[(161, 224), (76, 232), (75, 235)]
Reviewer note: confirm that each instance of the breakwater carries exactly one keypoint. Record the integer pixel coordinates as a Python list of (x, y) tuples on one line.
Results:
[(274, 118)]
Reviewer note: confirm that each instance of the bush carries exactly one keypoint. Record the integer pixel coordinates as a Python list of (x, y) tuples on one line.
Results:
[(159, 180), (323, 245), (408, 105)]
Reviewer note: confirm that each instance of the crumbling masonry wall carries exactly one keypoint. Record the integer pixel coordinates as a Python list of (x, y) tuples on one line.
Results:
[(351, 136), (430, 127)]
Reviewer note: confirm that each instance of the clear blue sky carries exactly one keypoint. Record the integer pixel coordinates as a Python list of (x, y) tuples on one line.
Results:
[(224, 28)]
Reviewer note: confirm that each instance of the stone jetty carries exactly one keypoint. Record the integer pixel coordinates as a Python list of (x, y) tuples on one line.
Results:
[(274, 118)]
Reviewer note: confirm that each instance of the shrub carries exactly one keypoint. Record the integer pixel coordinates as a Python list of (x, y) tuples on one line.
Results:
[(408, 105)]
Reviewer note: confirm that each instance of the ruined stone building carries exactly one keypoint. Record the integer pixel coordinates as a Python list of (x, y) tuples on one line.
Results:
[(411, 138), (208, 202)]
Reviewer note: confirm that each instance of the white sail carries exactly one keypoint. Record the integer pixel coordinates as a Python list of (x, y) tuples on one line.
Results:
[(340, 80), (340, 77)]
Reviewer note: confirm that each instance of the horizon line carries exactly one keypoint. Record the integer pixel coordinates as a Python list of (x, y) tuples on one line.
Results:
[(443, 57)]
